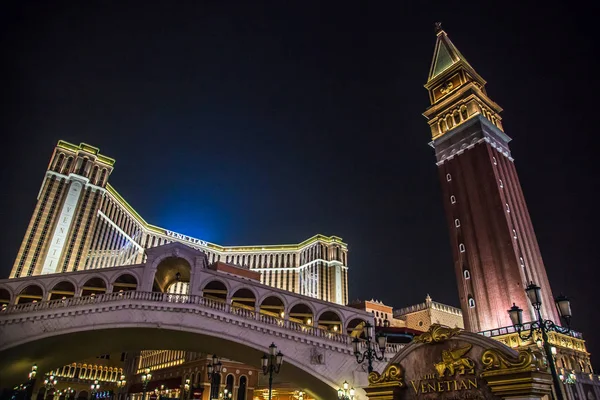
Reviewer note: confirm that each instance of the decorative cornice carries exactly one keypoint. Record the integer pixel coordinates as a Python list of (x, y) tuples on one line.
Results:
[(493, 359), (437, 333)]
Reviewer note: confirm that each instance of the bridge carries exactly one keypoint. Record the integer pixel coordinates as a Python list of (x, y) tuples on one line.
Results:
[(176, 301)]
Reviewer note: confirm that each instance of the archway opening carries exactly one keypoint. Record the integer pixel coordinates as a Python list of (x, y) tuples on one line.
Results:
[(228, 394), (31, 294), (93, 287), (83, 395), (301, 314), (62, 290), (273, 306), (244, 298), (242, 388), (355, 328), (330, 321), (124, 283), (4, 299), (215, 290), (173, 275)]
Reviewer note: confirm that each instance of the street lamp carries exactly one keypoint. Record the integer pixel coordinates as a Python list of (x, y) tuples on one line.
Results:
[(370, 353), (49, 383), (146, 377), (95, 387), (226, 394), (33, 372), (346, 392), (214, 370), (186, 389), (543, 326), (121, 384), (301, 395), (271, 364)]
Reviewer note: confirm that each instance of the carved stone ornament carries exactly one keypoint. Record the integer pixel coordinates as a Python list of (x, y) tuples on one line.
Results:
[(437, 333), (392, 373), (492, 359), (176, 252)]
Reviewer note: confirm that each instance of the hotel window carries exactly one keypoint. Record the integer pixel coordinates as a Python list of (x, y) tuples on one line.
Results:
[(457, 222), (463, 112), (507, 208), (461, 247), (453, 199), (467, 274), (471, 302), (448, 177), (501, 184), (494, 159), (514, 234), (522, 262)]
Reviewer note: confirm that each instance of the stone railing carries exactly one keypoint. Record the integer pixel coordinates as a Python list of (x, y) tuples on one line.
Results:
[(188, 300)]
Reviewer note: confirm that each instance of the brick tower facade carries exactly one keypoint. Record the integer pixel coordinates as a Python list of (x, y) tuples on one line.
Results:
[(494, 246)]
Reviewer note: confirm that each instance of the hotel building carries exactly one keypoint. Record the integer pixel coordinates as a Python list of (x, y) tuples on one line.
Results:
[(81, 222)]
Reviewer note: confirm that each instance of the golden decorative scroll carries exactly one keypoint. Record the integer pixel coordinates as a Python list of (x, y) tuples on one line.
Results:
[(392, 373), (492, 359), (437, 333)]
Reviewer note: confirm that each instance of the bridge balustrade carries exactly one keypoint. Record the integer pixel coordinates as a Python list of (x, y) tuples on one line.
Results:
[(194, 300)]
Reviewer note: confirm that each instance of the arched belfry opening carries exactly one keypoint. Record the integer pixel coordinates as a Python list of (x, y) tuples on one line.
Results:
[(173, 275)]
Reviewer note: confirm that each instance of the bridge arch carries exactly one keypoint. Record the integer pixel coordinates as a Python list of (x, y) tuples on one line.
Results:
[(125, 281), (93, 285), (6, 295), (331, 320), (272, 304), (62, 288), (244, 297), (185, 326), (171, 269), (214, 287), (354, 327), (302, 312), (31, 292)]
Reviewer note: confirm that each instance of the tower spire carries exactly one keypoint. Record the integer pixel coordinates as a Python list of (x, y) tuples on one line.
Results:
[(446, 55)]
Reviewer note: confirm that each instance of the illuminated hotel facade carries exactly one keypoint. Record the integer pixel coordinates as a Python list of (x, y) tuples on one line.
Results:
[(81, 222)]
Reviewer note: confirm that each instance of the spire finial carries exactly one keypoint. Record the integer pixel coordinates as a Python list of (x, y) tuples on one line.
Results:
[(438, 27)]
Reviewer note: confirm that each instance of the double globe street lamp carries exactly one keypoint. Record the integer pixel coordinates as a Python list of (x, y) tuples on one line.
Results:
[(146, 377), (271, 364), (346, 392), (373, 343), (542, 326), (95, 387), (214, 370), (49, 383)]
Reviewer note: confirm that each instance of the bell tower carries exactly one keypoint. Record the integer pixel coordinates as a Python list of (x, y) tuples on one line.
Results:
[(494, 246)]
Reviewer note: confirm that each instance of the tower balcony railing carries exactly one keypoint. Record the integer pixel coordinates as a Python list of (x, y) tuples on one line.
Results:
[(186, 301), (507, 330)]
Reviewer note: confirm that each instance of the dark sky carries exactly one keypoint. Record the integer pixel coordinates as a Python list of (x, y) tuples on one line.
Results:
[(264, 124)]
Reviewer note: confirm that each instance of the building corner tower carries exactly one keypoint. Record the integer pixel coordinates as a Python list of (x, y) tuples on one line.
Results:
[(494, 246), (58, 235)]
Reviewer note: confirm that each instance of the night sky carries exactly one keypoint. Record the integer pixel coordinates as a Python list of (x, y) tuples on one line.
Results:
[(266, 124)]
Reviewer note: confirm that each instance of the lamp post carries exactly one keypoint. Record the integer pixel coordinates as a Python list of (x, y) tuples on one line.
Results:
[(370, 353), (33, 372), (146, 377), (214, 370), (271, 364), (346, 392), (49, 383), (95, 387), (301, 395), (120, 385), (542, 326), (186, 389), (225, 395), (69, 392)]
